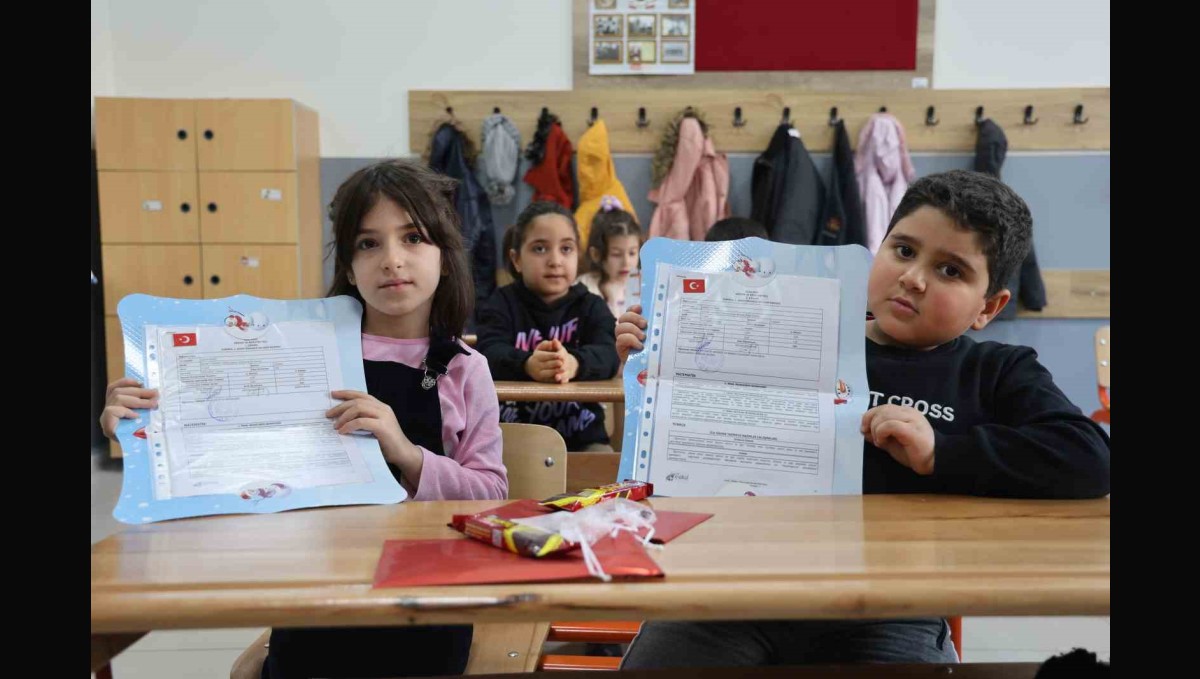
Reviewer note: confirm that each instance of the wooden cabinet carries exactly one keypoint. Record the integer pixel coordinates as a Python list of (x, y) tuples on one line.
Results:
[(259, 270), (149, 207), (246, 134), (145, 134), (162, 270), (248, 207), (206, 198)]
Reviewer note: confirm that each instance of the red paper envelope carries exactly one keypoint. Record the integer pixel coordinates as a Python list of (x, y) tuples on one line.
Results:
[(465, 561), (667, 525)]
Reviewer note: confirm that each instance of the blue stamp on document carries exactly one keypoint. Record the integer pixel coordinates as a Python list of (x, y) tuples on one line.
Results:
[(708, 358)]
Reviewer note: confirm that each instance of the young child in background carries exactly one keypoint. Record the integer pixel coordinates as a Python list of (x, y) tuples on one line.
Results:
[(733, 228), (547, 328), (612, 254)]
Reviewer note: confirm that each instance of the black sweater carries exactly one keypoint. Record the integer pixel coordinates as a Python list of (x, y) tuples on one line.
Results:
[(1001, 426), (514, 320)]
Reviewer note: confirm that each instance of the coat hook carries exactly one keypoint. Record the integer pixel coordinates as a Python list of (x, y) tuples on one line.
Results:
[(929, 119), (641, 121), (1079, 119), (1029, 119), (787, 116), (450, 111), (978, 115), (833, 117), (592, 119), (738, 120), (883, 109), (495, 109)]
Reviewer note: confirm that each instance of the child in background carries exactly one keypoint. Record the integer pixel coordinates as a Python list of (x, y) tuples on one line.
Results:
[(612, 254), (733, 228), (547, 328)]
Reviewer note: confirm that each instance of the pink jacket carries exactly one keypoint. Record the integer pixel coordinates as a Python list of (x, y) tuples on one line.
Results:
[(472, 468), (694, 193), (884, 170)]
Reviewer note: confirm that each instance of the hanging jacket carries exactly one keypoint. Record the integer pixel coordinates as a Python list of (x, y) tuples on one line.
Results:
[(695, 192), (499, 156), (550, 154), (842, 221), (1026, 285), (884, 171), (448, 155), (787, 194), (597, 177)]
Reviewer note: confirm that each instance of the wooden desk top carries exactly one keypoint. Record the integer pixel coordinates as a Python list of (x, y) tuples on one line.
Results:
[(765, 557), (596, 391)]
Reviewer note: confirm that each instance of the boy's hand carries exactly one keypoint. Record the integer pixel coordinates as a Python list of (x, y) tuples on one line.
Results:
[(120, 398), (545, 363), (904, 433), (629, 331)]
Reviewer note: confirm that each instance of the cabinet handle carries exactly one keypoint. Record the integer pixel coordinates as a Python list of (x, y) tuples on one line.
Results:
[(187, 280), (185, 207), (215, 279), (212, 207), (182, 134), (208, 134)]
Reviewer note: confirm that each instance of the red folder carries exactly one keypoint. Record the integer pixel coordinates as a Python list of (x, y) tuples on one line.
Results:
[(465, 561)]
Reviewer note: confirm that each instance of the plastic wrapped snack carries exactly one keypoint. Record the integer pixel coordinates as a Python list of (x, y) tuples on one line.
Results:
[(573, 502), (525, 540)]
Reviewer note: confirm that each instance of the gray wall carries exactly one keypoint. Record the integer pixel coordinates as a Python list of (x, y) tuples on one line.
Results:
[(1068, 194)]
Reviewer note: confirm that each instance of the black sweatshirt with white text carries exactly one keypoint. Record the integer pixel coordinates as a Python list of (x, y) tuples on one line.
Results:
[(1001, 426)]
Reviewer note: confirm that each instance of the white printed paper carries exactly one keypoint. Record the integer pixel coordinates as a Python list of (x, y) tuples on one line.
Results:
[(742, 386), (243, 408)]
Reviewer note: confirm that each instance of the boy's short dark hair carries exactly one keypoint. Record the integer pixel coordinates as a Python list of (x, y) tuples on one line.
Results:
[(981, 203), (733, 228)]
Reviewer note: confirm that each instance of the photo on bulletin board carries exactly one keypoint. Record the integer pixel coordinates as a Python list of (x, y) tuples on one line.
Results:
[(642, 25), (676, 25), (676, 51), (626, 37), (608, 52), (642, 52), (607, 26)]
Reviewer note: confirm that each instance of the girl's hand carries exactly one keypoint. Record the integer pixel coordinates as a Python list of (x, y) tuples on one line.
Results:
[(360, 411), (545, 363), (629, 331), (120, 398), (570, 364)]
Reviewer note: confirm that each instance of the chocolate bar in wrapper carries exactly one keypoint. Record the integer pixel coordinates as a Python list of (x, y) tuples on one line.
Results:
[(573, 502), (514, 537)]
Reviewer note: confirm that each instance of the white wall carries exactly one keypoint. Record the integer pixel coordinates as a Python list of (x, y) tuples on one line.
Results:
[(355, 60), (351, 60), (1010, 44), (102, 67)]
